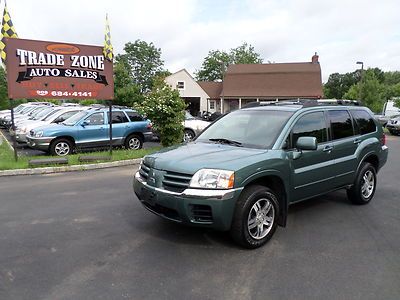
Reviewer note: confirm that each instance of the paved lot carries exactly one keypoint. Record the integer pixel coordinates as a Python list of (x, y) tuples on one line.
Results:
[(83, 235)]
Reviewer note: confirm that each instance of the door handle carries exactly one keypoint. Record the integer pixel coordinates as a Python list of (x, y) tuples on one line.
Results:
[(357, 141), (328, 149)]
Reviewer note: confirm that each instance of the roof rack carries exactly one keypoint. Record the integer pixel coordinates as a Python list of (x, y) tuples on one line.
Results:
[(304, 102)]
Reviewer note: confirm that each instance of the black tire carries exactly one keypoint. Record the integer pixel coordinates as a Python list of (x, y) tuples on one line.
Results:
[(61, 147), (134, 142), (362, 191), (245, 213), (188, 135)]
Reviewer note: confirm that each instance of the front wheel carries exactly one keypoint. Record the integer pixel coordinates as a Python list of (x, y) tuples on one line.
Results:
[(364, 186), (133, 142), (61, 147), (255, 218), (188, 135)]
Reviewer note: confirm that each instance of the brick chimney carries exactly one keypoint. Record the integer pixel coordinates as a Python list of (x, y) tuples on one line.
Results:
[(314, 59)]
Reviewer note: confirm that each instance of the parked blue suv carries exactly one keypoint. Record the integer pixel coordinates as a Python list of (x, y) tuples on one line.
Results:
[(90, 129)]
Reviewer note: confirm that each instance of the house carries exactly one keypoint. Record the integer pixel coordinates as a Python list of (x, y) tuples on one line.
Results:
[(245, 83), (189, 90)]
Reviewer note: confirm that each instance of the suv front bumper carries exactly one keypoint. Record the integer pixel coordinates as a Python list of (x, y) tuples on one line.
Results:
[(217, 206), (41, 143)]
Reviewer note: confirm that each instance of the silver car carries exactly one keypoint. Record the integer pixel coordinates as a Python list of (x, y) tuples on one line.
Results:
[(193, 127)]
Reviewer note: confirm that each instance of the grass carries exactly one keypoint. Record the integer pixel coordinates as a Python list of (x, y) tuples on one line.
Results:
[(7, 161)]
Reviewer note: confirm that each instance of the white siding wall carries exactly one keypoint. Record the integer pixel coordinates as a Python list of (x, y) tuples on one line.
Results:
[(192, 89)]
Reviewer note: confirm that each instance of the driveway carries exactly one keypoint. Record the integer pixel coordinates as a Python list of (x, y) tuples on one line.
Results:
[(83, 235)]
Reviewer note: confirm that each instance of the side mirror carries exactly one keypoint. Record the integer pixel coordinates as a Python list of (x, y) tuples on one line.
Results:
[(307, 143), (84, 123)]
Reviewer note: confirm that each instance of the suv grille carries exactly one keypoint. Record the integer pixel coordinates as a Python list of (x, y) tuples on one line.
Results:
[(201, 213), (176, 182), (144, 171)]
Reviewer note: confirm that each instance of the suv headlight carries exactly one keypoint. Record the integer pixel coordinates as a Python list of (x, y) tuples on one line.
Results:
[(213, 179), (39, 134)]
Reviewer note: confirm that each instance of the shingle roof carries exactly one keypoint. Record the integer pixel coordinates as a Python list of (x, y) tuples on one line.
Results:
[(273, 80), (213, 89)]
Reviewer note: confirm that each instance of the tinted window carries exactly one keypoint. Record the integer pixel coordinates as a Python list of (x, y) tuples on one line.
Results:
[(341, 125), (95, 119), (312, 124), (251, 128), (118, 117), (363, 121), (134, 116), (65, 116)]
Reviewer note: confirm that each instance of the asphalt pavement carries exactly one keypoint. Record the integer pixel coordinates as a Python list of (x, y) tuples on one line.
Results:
[(84, 235)]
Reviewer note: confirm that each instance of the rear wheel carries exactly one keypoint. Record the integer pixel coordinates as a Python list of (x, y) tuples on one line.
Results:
[(364, 186), (255, 218), (133, 142), (61, 147)]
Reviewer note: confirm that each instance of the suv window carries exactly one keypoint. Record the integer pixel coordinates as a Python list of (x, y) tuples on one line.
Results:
[(134, 116), (341, 125), (363, 122), (118, 117), (312, 124), (96, 119), (64, 116)]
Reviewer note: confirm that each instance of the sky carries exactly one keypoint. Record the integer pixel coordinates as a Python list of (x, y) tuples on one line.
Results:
[(342, 32)]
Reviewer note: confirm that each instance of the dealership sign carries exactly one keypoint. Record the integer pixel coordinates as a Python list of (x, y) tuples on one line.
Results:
[(38, 69)]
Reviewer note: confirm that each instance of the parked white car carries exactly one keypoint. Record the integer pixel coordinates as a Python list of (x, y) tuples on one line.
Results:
[(193, 127)]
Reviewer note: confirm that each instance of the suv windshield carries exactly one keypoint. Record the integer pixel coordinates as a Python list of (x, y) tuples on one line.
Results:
[(247, 128), (75, 118)]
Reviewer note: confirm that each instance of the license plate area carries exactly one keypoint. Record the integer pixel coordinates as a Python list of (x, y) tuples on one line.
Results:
[(148, 196)]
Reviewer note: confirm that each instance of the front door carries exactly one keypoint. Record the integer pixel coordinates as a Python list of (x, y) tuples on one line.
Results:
[(93, 131), (311, 171)]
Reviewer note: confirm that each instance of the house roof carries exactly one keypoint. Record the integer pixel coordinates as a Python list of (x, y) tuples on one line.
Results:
[(273, 80), (212, 89)]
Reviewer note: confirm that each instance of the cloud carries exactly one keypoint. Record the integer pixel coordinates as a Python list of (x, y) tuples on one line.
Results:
[(342, 32)]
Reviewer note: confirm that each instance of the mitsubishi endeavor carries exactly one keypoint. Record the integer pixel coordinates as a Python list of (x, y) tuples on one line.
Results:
[(242, 173)]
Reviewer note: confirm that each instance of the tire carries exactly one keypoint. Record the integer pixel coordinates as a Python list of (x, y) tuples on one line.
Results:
[(188, 135), (255, 217), (61, 147), (134, 142), (364, 186)]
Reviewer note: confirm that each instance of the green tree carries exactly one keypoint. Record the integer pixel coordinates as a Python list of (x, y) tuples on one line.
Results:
[(4, 103), (370, 91), (338, 84), (164, 107), (144, 62), (216, 61), (126, 92), (392, 78)]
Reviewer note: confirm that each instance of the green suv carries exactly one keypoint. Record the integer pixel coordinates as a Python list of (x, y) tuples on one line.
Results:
[(243, 171)]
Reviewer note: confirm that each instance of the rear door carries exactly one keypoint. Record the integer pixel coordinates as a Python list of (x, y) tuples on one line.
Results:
[(120, 124), (312, 170), (345, 145)]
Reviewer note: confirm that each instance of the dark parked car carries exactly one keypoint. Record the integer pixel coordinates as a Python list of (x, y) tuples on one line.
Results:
[(244, 170)]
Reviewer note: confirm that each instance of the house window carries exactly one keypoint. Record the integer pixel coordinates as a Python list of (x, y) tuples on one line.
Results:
[(180, 85), (212, 104)]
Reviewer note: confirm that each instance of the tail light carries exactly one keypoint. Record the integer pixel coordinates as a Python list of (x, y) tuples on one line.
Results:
[(383, 139), (149, 126)]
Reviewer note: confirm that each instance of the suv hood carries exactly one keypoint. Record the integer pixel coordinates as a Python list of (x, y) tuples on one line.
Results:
[(191, 157)]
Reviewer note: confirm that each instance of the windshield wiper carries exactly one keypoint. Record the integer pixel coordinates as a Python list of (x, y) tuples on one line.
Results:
[(226, 141)]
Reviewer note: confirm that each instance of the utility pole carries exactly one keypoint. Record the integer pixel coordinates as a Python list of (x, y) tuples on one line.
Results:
[(361, 79)]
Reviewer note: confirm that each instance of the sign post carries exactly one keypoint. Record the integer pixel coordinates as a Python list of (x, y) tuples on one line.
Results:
[(13, 129)]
